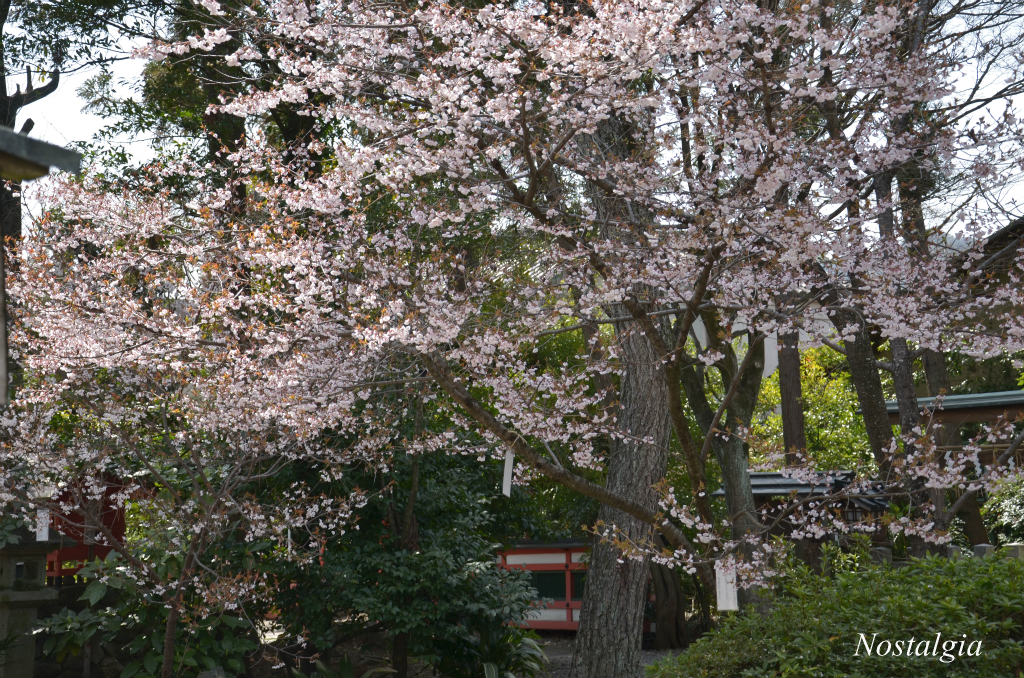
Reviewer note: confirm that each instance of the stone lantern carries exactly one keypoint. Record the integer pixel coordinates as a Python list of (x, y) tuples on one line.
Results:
[(22, 591)]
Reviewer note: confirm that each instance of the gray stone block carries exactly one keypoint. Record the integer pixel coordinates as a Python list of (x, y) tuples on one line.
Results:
[(1014, 550), (982, 550), (881, 554)]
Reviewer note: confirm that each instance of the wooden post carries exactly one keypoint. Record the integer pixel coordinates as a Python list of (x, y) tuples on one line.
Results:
[(22, 588), (793, 435)]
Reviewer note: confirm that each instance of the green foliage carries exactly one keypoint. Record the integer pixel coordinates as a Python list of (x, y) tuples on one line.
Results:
[(856, 556), (836, 438), (444, 592), (491, 650), (67, 32), (983, 375), (1004, 513), (812, 627), (116, 612), (11, 530), (545, 511)]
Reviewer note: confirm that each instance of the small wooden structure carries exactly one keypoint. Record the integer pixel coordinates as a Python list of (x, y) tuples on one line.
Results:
[(559, 572), (966, 408), (971, 408), (770, 486)]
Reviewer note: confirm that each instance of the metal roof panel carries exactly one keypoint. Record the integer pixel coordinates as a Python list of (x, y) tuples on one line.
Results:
[(965, 401)]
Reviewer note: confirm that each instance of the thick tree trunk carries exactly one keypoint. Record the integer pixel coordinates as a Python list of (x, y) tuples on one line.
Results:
[(669, 616), (611, 618), (794, 437), (906, 398), (974, 525), (669, 613), (744, 383), (739, 497), (400, 655), (903, 367), (903, 384), (730, 448), (411, 543)]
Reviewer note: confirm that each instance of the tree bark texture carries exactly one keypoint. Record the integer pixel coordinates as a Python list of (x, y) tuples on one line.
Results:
[(903, 384), (669, 615), (910, 417), (170, 631), (860, 358), (728, 445), (794, 436), (937, 376), (611, 618)]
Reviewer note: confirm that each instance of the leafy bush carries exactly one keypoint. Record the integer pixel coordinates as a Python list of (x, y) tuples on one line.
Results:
[(1004, 513), (492, 652), (444, 600), (118, 614), (812, 627), (454, 612)]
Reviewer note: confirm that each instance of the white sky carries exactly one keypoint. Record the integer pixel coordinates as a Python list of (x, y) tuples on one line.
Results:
[(59, 117)]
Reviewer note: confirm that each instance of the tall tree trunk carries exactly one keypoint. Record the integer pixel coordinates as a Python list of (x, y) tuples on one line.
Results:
[(743, 382), (611, 618), (410, 542), (903, 362), (400, 655), (903, 384), (727, 442), (860, 359), (669, 615), (170, 631), (937, 375), (906, 399), (794, 436)]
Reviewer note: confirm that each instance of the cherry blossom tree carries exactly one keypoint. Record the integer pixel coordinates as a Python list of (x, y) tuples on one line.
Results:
[(673, 182)]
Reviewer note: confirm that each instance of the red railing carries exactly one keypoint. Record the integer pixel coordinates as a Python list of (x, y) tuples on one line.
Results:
[(558, 573)]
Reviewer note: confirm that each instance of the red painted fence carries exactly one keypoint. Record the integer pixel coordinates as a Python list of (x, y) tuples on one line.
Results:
[(559, 572)]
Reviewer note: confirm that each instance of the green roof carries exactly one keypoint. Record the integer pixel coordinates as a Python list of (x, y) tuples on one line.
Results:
[(22, 157), (995, 399)]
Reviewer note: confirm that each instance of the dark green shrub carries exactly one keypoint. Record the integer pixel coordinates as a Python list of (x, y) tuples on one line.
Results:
[(128, 623), (813, 626), (444, 600)]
